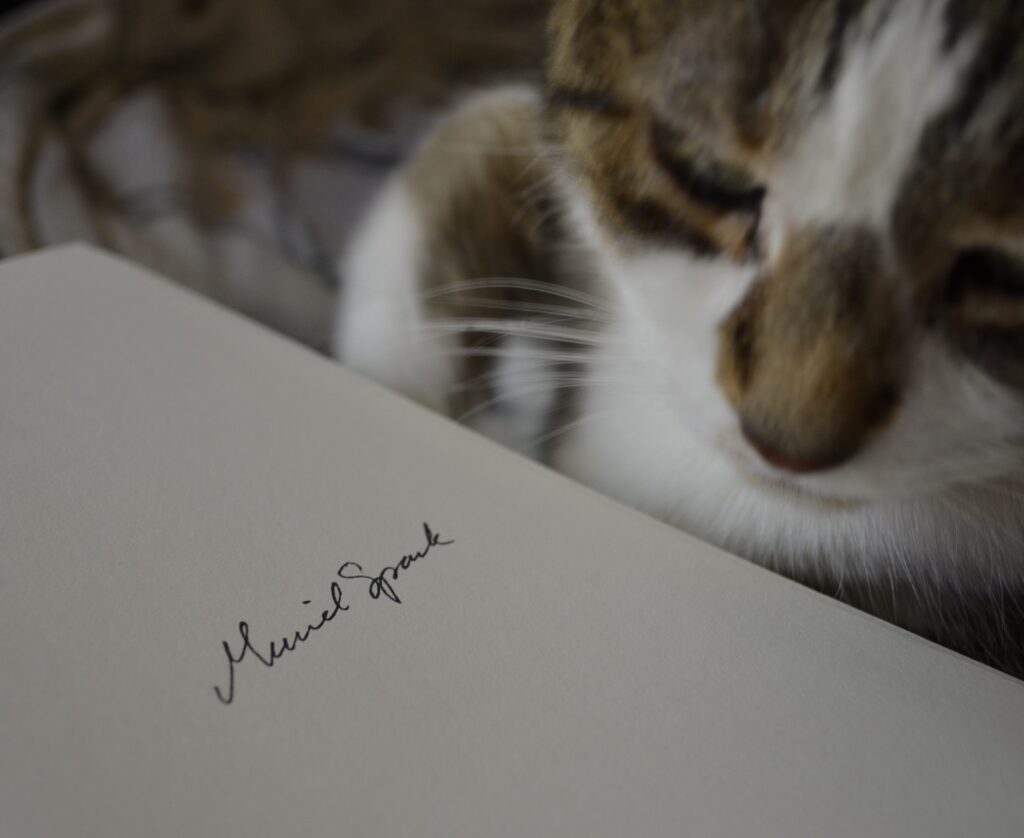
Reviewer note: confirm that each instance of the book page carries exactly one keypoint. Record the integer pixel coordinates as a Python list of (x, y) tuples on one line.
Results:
[(245, 592)]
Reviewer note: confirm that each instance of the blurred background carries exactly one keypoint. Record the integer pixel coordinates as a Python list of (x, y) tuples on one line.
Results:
[(231, 144)]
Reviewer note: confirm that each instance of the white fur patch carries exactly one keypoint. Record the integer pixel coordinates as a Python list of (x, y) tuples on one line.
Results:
[(850, 163), (524, 393), (381, 326)]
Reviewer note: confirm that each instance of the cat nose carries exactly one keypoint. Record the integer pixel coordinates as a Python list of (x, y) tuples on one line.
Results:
[(812, 359), (803, 463)]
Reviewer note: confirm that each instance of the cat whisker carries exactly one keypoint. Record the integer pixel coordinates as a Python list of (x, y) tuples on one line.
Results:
[(513, 395), (578, 422), (540, 355), (516, 307), (523, 329), (562, 380), (520, 284)]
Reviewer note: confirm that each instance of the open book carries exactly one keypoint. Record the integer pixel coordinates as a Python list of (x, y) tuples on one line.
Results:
[(244, 592)]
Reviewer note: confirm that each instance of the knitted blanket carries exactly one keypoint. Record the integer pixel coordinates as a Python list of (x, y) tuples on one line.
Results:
[(231, 144)]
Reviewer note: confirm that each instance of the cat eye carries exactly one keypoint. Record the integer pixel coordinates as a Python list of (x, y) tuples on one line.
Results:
[(985, 289), (718, 186), (985, 271)]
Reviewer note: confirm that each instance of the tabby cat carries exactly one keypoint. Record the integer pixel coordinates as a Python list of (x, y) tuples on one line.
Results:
[(756, 268)]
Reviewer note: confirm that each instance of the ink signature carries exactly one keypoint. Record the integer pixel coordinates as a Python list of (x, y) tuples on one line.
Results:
[(383, 584)]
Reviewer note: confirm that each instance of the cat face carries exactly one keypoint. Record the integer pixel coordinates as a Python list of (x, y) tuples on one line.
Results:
[(813, 215)]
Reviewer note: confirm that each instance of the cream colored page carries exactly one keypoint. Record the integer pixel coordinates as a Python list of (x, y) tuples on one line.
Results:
[(563, 667)]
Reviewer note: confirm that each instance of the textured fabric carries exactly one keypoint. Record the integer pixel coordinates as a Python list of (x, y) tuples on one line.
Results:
[(229, 144)]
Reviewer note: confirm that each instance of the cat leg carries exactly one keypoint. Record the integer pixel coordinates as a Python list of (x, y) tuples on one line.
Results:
[(382, 324), (454, 255)]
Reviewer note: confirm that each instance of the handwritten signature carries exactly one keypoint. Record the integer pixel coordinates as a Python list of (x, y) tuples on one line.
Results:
[(383, 584)]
